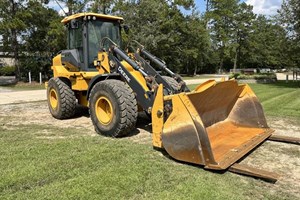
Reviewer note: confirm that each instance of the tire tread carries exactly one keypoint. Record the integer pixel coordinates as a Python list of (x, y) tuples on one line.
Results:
[(126, 102), (67, 99)]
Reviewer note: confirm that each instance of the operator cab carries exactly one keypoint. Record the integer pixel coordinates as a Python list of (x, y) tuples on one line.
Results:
[(85, 34)]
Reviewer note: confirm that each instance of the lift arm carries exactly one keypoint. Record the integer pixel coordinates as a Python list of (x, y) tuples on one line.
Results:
[(162, 65), (145, 98)]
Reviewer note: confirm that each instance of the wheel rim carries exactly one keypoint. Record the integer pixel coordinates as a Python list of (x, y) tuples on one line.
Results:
[(104, 110), (53, 98)]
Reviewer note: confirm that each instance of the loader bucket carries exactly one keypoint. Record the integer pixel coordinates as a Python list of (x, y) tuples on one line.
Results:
[(215, 125)]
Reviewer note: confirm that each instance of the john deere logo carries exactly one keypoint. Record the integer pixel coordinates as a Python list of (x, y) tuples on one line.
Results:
[(123, 74)]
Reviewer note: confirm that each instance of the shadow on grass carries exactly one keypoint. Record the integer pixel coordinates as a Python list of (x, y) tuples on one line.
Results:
[(81, 111), (165, 153), (143, 122)]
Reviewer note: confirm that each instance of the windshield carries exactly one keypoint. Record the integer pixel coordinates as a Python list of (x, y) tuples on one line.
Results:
[(97, 30)]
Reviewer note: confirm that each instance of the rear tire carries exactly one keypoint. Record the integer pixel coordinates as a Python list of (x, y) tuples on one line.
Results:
[(113, 108), (61, 99)]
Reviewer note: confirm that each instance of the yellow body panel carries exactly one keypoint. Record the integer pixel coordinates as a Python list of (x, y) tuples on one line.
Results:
[(80, 79), (158, 118), (104, 62), (56, 61), (82, 99), (78, 15), (137, 75)]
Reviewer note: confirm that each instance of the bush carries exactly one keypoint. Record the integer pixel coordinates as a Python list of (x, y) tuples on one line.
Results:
[(35, 65), (234, 75), (258, 76), (265, 76), (7, 71)]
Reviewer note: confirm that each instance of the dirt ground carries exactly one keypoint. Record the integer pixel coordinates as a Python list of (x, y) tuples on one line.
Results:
[(272, 156)]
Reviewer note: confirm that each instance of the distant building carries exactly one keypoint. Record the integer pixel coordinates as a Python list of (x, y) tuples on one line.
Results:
[(265, 70), (244, 71), (6, 59)]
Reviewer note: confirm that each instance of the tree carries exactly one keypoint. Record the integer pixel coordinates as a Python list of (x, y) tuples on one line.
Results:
[(289, 16), (44, 37), (102, 6), (266, 46), (228, 35), (221, 18), (12, 27), (152, 25), (180, 40), (195, 44), (73, 6), (243, 22), (29, 32)]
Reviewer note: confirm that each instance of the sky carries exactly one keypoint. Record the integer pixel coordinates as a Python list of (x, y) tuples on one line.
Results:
[(265, 7)]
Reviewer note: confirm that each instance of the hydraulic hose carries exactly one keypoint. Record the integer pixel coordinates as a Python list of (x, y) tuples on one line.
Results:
[(128, 60)]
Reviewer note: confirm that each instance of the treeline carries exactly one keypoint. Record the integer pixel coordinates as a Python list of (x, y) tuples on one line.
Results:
[(228, 35)]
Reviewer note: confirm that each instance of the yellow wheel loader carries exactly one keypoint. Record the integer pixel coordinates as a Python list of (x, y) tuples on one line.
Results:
[(214, 125)]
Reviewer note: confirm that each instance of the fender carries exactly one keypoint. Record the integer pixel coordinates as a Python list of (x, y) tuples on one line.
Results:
[(101, 77)]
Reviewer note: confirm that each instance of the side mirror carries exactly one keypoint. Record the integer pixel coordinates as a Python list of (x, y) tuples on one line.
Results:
[(126, 29)]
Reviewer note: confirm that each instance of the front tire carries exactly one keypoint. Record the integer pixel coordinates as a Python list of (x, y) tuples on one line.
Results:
[(113, 108), (61, 99)]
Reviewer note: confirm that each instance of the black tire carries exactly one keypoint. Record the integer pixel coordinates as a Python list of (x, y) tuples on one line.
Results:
[(120, 98), (60, 92), (172, 82)]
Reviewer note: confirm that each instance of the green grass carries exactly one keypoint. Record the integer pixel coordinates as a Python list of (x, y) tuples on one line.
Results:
[(74, 166), (279, 99), (66, 164), (28, 86), (25, 86)]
